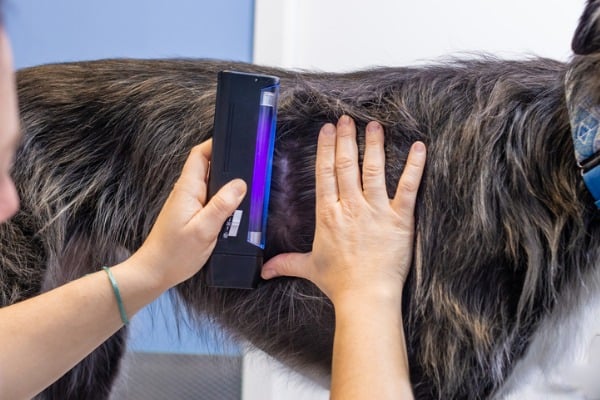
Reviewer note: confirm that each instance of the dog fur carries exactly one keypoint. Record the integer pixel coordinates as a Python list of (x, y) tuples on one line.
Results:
[(508, 238)]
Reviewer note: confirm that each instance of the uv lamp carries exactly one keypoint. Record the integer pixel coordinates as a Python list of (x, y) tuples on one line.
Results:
[(243, 143)]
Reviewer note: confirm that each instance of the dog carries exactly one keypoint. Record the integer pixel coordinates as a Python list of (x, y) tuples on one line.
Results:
[(504, 286)]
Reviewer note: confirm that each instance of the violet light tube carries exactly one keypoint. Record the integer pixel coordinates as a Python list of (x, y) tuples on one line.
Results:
[(263, 160)]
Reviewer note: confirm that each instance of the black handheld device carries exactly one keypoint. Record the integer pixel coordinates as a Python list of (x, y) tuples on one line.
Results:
[(243, 142)]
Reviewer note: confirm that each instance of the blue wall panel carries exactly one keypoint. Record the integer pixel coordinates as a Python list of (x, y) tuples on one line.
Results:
[(45, 31)]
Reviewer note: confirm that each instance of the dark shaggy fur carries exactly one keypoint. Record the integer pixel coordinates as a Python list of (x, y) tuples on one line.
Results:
[(503, 220)]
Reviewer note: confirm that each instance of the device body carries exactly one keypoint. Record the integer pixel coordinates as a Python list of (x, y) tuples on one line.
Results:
[(243, 143)]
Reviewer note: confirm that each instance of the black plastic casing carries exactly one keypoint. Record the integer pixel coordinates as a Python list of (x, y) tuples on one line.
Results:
[(235, 262)]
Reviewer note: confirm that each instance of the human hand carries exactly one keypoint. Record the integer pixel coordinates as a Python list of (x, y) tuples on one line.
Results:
[(185, 232), (363, 240)]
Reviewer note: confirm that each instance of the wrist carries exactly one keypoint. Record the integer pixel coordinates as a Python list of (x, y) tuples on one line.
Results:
[(368, 306), (150, 268), (368, 298), (138, 283)]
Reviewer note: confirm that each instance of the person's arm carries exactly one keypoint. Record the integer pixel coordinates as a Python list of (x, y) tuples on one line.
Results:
[(369, 351), (360, 259), (43, 337)]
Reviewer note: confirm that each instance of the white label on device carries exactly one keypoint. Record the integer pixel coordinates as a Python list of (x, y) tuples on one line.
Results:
[(235, 223)]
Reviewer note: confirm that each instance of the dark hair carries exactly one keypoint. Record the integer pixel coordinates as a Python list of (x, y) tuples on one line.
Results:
[(2, 5)]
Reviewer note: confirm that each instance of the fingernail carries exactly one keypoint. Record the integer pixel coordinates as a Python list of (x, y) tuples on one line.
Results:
[(267, 273), (418, 147), (373, 127), (328, 129), (239, 187), (344, 120)]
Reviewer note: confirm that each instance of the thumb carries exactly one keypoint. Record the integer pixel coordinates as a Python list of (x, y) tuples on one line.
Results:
[(287, 264), (222, 205)]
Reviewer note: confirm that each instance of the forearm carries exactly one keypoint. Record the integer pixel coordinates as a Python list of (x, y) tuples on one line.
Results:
[(45, 336), (369, 356)]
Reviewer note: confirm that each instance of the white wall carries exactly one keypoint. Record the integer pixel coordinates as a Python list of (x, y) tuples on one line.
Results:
[(337, 35)]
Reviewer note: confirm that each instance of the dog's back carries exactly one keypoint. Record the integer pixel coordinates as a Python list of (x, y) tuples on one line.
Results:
[(503, 220)]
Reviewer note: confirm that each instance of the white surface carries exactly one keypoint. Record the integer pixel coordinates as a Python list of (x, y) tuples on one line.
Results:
[(266, 379), (563, 357), (338, 35)]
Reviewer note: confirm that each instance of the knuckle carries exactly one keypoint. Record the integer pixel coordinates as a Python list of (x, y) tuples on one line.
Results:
[(196, 150), (327, 144), (415, 165), (327, 215), (409, 185), (221, 205), (372, 170), (286, 264), (374, 139), (344, 163), (325, 169), (345, 132), (350, 208), (205, 234), (180, 189)]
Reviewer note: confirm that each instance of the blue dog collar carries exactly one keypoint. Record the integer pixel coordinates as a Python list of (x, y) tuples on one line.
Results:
[(592, 181), (585, 128)]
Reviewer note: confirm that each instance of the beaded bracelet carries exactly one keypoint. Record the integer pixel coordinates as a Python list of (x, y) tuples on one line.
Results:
[(115, 287)]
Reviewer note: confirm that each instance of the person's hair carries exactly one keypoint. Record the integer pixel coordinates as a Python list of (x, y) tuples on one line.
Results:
[(2, 5)]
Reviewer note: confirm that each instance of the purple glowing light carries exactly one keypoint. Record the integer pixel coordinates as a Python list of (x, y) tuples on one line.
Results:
[(263, 160)]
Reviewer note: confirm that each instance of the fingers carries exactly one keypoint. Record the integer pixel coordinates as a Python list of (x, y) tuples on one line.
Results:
[(194, 173), (373, 169), (206, 151), (346, 159), (338, 174), (326, 183), (406, 193), (206, 148), (221, 206), (289, 264)]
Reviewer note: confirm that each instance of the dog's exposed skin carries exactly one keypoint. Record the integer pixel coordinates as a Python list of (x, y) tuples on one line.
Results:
[(508, 238)]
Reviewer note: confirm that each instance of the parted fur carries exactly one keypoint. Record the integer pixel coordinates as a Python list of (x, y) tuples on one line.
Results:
[(503, 219)]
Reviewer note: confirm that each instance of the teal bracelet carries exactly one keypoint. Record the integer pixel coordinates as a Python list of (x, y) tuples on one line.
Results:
[(115, 287)]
